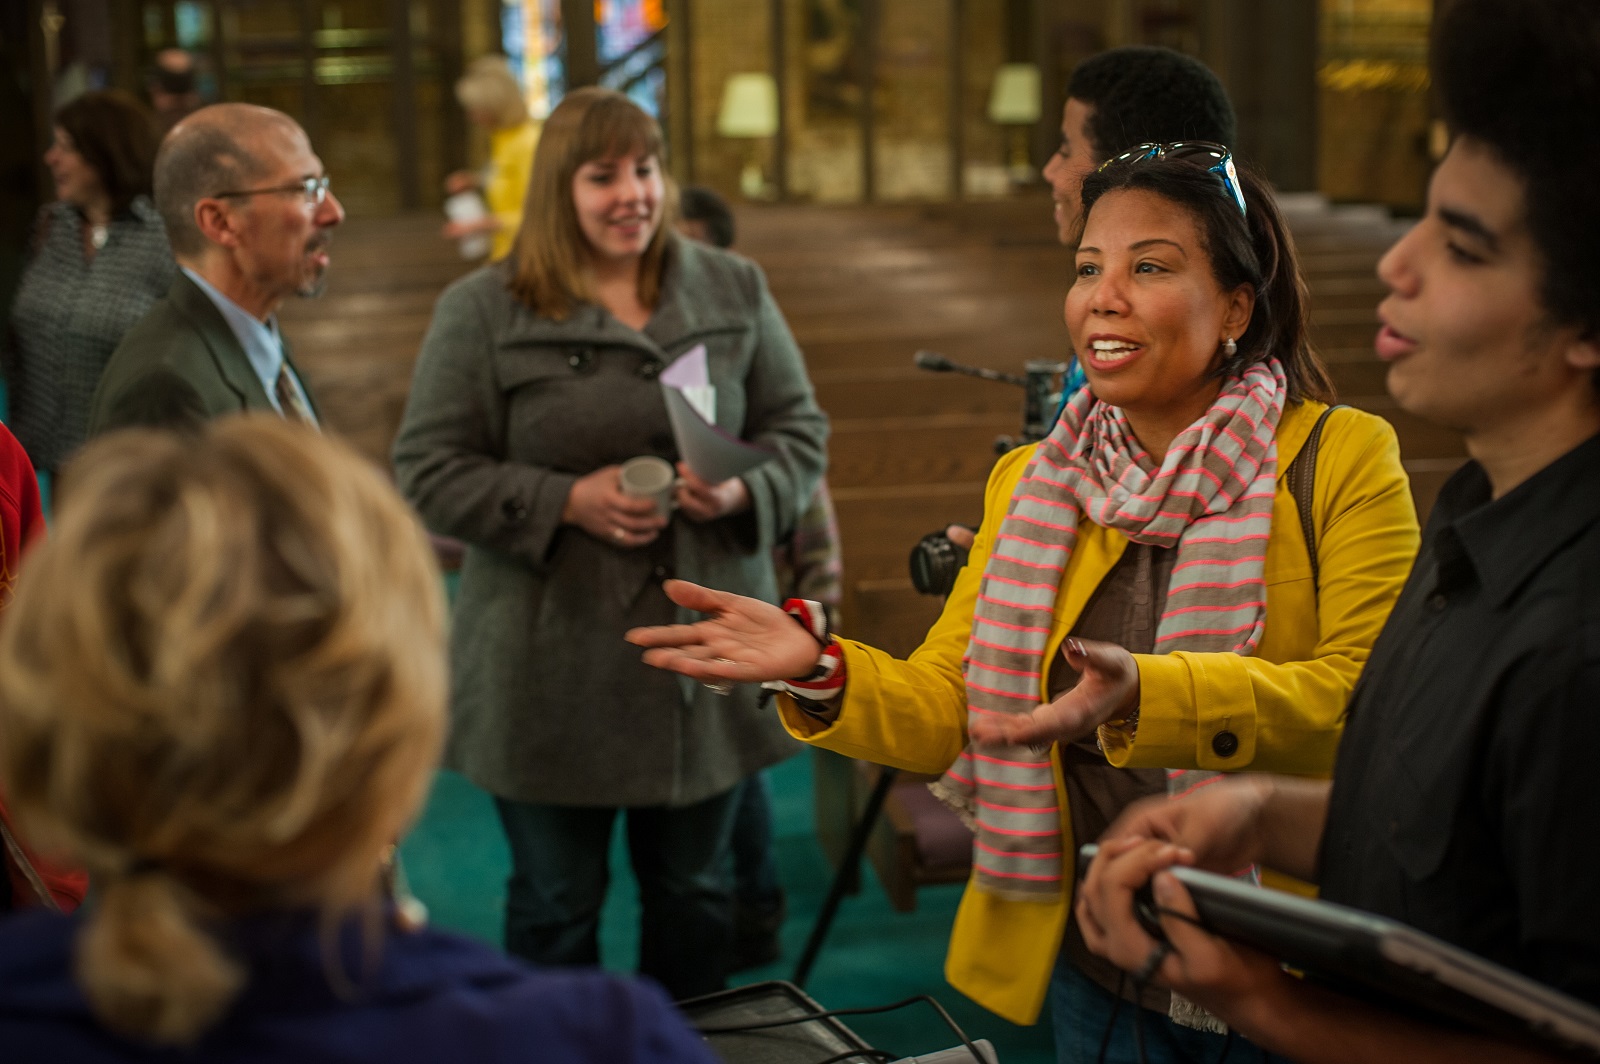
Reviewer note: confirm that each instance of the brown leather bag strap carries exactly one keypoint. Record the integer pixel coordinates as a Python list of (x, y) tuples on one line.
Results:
[(1302, 478)]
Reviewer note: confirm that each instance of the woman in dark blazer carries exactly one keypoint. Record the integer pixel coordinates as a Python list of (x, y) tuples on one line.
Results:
[(537, 378), (100, 262)]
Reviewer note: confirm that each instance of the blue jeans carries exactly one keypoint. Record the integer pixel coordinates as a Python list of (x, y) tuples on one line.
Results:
[(755, 869), (1080, 1010), (559, 876)]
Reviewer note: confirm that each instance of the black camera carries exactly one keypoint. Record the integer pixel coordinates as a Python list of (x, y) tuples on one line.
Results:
[(935, 561)]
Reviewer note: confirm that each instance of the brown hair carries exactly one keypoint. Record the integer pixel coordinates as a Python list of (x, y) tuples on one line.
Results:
[(222, 689), (549, 272), (117, 137)]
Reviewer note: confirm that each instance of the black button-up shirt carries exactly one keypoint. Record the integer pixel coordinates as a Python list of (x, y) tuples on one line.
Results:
[(1466, 798)]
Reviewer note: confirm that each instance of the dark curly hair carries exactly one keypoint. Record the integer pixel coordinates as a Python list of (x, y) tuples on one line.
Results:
[(1252, 249), (1523, 80), (1142, 93), (117, 137)]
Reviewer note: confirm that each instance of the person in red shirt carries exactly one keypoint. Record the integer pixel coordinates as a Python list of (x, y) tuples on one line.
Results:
[(28, 880)]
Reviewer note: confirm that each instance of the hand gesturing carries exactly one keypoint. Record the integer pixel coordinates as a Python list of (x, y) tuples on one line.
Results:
[(1108, 689), (744, 640)]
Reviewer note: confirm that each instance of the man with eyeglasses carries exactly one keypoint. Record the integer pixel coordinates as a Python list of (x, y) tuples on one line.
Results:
[(249, 215)]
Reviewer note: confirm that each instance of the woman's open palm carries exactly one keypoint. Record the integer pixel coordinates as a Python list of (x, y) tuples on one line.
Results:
[(743, 640)]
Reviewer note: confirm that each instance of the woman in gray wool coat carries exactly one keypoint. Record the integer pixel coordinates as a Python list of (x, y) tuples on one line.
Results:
[(537, 378)]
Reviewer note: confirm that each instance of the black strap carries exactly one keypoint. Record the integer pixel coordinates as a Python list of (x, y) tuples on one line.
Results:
[(1302, 478)]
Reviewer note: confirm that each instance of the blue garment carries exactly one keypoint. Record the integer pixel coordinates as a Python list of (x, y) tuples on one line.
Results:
[(427, 997), (559, 871), (1080, 1010), (260, 340)]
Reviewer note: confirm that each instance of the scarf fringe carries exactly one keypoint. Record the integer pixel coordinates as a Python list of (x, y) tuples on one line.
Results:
[(1186, 1013), (958, 802)]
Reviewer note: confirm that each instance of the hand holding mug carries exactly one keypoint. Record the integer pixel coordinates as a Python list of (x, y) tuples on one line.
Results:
[(598, 505)]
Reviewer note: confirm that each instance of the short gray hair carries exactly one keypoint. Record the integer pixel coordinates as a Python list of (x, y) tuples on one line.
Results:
[(196, 161)]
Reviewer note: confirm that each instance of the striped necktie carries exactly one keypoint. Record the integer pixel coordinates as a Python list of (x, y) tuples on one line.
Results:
[(289, 401)]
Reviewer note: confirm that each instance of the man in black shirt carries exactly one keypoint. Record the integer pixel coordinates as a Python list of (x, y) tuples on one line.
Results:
[(1465, 799)]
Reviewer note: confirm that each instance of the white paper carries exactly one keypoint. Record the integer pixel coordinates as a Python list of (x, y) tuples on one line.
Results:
[(469, 207), (714, 454)]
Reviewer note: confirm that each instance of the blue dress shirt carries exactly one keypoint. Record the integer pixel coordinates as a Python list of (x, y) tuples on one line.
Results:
[(260, 340)]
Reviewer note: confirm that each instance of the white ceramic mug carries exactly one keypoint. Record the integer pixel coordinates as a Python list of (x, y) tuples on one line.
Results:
[(649, 477)]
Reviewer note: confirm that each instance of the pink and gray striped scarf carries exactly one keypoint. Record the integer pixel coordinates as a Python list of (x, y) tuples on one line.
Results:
[(1212, 496)]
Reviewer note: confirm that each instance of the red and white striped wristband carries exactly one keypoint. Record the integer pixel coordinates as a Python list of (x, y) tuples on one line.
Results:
[(825, 681)]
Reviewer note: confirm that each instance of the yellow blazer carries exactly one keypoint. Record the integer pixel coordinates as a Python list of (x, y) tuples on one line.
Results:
[(510, 168), (1285, 705)]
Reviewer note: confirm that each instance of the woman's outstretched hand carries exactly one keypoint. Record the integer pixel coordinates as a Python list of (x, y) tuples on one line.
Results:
[(744, 640), (1108, 689)]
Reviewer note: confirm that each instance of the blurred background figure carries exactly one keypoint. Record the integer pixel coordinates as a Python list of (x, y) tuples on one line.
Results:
[(232, 775), (100, 261), (809, 566), (705, 216), (493, 100), (174, 92), (536, 381)]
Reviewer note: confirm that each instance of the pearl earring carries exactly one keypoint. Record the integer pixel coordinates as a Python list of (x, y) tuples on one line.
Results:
[(1229, 348)]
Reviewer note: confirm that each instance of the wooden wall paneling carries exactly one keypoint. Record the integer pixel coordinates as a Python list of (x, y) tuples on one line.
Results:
[(403, 103)]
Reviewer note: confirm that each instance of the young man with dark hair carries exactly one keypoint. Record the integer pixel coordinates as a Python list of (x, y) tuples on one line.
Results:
[(1463, 800), (1127, 96)]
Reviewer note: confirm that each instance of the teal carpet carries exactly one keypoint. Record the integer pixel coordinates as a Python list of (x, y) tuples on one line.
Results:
[(457, 862)]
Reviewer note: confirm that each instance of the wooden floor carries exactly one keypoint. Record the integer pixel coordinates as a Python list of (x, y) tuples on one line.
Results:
[(864, 288)]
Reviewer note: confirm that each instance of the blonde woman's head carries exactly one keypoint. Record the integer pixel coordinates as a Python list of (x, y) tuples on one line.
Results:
[(222, 689), (490, 94), (551, 257)]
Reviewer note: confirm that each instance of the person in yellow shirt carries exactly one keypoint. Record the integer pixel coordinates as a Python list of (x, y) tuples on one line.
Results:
[(1153, 596), (492, 98)]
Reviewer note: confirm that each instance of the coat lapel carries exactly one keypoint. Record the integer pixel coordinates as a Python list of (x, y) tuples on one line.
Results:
[(232, 365)]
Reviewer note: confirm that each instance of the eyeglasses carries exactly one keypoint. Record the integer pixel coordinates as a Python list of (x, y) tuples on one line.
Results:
[(1210, 157), (314, 189)]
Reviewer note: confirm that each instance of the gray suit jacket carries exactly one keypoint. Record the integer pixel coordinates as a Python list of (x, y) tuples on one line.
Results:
[(181, 365), (507, 410)]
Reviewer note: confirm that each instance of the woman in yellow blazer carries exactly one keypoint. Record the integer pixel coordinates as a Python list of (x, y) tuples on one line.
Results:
[(1172, 254)]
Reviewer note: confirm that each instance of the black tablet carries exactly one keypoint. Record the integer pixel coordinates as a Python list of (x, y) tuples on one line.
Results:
[(1386, 961)]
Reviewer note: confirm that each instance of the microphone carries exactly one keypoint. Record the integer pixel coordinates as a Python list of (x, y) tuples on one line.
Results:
[(934, 362)]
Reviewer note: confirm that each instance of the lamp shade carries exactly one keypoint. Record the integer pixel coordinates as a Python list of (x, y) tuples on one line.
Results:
[(749, 106), (1014, 97)]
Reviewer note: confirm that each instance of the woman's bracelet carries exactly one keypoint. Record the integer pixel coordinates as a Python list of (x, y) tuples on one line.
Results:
[(826, 680)]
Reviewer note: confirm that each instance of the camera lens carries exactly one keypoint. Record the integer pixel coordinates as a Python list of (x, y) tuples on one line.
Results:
[(935, 562)]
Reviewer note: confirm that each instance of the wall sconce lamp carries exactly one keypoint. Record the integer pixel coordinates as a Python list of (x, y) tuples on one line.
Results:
[(750, 112), (1014, 103)]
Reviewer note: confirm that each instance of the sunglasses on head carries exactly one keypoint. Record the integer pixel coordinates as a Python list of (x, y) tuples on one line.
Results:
[(1209, 156)]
